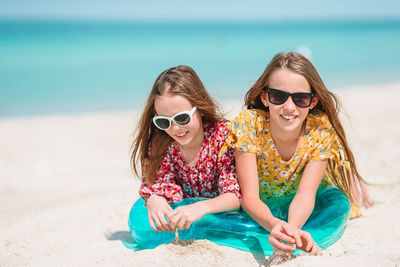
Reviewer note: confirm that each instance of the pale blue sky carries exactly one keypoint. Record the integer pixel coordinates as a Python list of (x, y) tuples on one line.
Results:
[(200, 10)]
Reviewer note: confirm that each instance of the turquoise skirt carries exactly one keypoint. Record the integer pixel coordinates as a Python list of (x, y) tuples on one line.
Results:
[(238, 230)]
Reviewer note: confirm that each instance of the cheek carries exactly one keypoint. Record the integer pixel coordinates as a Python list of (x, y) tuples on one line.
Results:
[(273, 109), (196, 122), (304, 113), (169, 132), (196, 119)]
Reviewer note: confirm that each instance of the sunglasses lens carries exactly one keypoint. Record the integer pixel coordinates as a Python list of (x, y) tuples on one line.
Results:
[(277, 97), (182, 119), (302, 100), (162, 123)]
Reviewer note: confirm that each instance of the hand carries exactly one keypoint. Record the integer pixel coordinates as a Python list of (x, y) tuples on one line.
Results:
[(315, 250), (183, 217), (361, 196), (283, 232), (295, 238), (367, 202), (308, 244), (158, 208)]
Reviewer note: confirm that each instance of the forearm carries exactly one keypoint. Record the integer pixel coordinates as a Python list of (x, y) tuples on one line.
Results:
[(246, 166), (226, 201), (300, 210), (303, 202), (259, 211), (170, 191)]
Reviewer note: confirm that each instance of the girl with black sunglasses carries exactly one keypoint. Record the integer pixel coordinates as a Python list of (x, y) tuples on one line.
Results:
[(177, 148), (291, 144)]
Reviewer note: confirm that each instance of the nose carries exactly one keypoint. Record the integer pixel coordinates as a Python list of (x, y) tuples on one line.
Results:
[(289, 105), (174, 126)]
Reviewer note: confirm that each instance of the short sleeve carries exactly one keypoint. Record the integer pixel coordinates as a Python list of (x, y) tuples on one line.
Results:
[(243, 132), (327, 144), (322, 147), (164, 183), (228, 181)]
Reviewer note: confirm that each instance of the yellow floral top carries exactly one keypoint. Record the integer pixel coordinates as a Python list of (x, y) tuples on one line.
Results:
[(250, 133)]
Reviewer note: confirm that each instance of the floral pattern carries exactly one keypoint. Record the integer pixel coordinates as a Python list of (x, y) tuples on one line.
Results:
[(213, 174), (250, 133)]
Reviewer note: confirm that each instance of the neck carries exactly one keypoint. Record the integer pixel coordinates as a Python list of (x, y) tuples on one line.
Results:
[(286, 137), (190, 152), (195, 144)]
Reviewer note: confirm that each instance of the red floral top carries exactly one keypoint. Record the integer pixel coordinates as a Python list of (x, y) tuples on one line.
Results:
[(213, 174)]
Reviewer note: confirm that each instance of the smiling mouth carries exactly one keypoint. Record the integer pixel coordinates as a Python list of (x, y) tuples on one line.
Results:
[(182, 134), (286, 117)]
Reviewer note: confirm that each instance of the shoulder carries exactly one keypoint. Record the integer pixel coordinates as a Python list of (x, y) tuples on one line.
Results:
[(218, 130), (254, 117), (319, 129), (319, 121), (251, 114)]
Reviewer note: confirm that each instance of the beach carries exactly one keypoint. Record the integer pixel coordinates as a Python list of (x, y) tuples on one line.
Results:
[(66, 189)]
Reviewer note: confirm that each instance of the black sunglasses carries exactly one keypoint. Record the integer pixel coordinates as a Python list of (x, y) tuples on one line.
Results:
[(278, 97)]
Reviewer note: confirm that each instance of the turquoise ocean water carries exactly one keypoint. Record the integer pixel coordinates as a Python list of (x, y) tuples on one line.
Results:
[(70, 67)]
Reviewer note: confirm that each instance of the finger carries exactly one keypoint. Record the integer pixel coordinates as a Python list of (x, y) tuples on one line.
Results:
[(188, 224), (165, 228), (164, 224), (161, 222), (309, 246), (275, 243), (181, 223), (172, 214), (297, 239), (314, 249), (368, 204), (173, 221), (157, 224), (309, 240), (319, 252), (287, 229), (282, 237), (151, 222)]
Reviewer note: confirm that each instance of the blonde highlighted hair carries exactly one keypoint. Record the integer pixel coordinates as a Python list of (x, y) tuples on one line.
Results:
[(151, 143), (328, 103)]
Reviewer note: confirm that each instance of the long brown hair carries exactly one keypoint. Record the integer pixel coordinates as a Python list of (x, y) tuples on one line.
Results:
[(150, 143), (328, 103)]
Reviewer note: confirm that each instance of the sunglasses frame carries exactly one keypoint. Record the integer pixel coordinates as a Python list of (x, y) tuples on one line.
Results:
[(172, 118), (287, 95)]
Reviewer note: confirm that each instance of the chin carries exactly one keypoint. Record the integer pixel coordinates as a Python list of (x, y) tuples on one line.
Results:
[(292, 126), (184, 142)]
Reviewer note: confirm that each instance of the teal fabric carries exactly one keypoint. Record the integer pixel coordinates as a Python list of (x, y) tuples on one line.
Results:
[(236, 229)]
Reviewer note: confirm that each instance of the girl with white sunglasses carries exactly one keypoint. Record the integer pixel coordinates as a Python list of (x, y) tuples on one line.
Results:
[(177, 147)]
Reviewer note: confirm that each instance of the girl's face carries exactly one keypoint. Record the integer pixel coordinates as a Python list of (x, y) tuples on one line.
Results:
[(170, 104), (287, 117)]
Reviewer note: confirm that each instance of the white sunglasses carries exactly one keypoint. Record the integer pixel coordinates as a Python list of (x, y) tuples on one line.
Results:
[(182, 119)]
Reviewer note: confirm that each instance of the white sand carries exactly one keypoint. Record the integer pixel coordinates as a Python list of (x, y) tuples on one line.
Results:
[(66, 190)]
